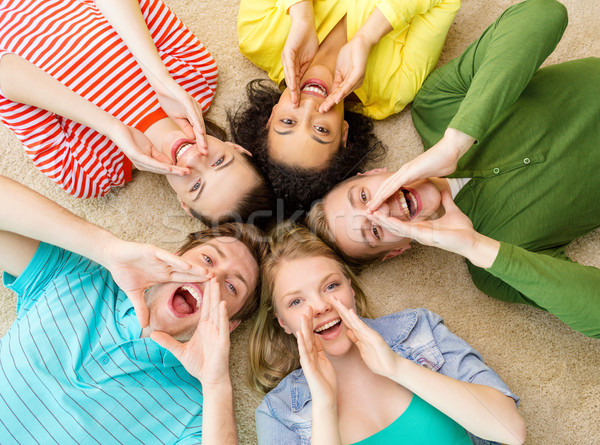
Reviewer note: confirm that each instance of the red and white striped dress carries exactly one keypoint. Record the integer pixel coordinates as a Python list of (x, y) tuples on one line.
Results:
[(72, 41)]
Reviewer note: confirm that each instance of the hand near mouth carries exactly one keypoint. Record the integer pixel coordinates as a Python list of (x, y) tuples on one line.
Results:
[(453, 232), (136, 267), (373, 349)]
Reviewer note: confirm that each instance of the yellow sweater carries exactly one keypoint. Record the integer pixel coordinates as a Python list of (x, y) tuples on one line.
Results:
[(397, 66)]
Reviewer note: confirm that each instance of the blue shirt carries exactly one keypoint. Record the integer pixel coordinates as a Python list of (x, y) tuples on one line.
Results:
[(285, 414), (74, 370)]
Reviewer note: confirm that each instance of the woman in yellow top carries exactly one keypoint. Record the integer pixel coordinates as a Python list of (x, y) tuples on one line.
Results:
[(379, 50)]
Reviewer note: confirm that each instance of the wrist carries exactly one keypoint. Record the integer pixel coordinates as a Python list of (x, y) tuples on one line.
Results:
[(459, 142), (397, 371), (302, 12), (220, 387), (483, 251)]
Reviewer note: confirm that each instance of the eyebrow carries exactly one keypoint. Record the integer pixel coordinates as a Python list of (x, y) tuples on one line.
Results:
[(320, 141), (220, 167)]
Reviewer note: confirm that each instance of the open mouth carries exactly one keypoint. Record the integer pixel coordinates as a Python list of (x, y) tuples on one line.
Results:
[(330, 328), (409, 201), (186, 300), (180, 148), (315, 87)]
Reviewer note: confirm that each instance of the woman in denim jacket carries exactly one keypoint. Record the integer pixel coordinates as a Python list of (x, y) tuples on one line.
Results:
[(398, 379)]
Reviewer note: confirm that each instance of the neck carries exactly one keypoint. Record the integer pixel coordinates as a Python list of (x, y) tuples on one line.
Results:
[(331, 45)]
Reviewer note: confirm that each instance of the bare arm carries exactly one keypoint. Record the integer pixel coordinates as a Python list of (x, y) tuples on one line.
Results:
[(126, 18)]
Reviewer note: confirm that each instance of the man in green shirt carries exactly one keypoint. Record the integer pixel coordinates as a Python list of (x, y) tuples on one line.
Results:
[(514, 148)]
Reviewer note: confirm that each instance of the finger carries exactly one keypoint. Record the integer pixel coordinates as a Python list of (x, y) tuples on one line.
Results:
[(327, 104), (140, 307), (223, 323), (318, 344), (447, 201), (386, 190), (301, 347), (345, 314), (352, 336), (167, 342), (207, 299), (307, 332), (392, 224)]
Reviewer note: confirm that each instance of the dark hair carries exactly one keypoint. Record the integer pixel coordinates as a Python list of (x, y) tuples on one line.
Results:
[(252, 237), (255, 207), (299, 187)]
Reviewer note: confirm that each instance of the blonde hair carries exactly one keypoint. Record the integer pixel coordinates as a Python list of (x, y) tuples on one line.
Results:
[(273, 353)]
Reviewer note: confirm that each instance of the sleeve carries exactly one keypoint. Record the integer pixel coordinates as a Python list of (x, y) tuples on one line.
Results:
[(461, 361), (552, 282), (401, 12), (48, 263), (471, 91), (271, 431)]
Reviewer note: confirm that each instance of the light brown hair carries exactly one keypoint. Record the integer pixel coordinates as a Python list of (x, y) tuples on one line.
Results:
[(273, 353)]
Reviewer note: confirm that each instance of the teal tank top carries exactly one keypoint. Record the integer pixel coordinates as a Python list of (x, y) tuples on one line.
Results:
[(420, 424)]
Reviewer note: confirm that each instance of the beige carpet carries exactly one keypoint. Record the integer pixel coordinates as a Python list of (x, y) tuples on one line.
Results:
[(554, 370)]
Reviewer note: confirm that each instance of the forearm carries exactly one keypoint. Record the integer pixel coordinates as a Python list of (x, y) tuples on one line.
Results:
[(126, 18), (23, 82), (325, 427), (27, 213), (482, 410), (376, 26), (302, 11), (218, 419), (399, 13)]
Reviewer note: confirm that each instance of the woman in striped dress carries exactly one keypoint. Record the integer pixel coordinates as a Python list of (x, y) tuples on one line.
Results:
[(87, 112)]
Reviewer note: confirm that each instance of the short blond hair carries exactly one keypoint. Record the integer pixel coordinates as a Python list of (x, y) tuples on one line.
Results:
[(273, 353)]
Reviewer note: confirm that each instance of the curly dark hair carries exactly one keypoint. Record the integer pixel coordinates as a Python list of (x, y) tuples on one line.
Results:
[(299, 187)]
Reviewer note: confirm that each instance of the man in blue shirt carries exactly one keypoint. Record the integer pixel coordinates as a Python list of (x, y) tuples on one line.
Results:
[(79, 365)]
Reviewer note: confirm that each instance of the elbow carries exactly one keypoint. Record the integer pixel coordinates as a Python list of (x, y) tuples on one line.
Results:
[(517, 430)]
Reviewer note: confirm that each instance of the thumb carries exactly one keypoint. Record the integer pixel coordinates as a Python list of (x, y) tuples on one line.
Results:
[(447, 201), (352, 336), (167, 342), (139, 306)]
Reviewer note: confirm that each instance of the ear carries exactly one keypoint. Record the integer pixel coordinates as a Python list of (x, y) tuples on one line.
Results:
[(374, 171), (185, 207), (233, 324), (396, 252), (271, 116), (284, 326), (345, 127)]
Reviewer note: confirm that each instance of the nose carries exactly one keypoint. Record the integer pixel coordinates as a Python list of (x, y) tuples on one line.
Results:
[(320, 306), (384, 208)]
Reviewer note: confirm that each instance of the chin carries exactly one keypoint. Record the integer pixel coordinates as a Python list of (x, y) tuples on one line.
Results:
[(338, 348)]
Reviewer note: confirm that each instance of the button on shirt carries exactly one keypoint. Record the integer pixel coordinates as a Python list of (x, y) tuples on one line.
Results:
[(73, 368)]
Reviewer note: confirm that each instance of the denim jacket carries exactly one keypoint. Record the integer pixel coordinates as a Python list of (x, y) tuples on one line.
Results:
[(285, 414)]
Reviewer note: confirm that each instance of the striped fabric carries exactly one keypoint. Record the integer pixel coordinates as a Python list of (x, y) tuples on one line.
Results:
[(73, 369), (72, 41)]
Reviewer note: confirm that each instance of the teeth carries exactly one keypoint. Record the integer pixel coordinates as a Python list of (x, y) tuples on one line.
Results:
[(315, 89), (404, 204), (328, 325), (194, 292), (181, 150)]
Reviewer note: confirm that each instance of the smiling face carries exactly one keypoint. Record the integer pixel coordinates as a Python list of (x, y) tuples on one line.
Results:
[(217, 182), (303, 137), (346, 213), (305, 283), (175, 307)]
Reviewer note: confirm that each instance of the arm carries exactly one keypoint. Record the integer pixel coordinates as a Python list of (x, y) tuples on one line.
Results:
[(206, 357), (126, 18), (133, 266), (17, 76), (481, 409)]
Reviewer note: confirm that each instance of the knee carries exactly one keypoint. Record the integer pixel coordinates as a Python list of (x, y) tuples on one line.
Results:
[(554, 13)]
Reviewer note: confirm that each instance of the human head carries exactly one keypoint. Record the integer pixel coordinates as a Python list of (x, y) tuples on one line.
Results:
[(273, 352), (341, 218), (233, 253), (223, 185), (298, 186)]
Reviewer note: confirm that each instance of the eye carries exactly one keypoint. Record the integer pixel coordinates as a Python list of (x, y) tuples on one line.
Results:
[(231, 288), (196, 186), (332, 286), (363, 196), (287, 121), (320, 129), (219, 162), (207, 260), (294, 302), (375, 232)]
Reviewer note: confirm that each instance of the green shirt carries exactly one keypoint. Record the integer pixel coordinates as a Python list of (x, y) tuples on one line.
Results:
[(535, 166)]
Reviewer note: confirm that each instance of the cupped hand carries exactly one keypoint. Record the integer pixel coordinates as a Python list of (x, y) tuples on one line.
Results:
[(141, 152), (375, 352), (185, 110), (317, 368), (135, 267), (206, 354), (298, 53), (440, 160), (349, 71)]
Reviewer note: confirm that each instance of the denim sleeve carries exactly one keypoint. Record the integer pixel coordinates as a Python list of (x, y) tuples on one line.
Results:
[(461, 361), (271, 431)]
